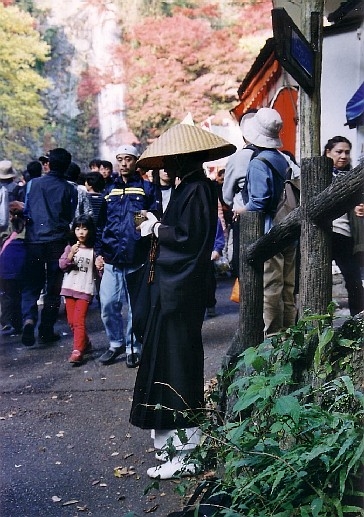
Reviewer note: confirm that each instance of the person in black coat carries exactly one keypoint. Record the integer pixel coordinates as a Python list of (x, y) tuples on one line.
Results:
[(169, 389)]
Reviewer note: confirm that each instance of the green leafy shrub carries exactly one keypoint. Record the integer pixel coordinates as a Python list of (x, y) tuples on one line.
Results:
[(291, 443)]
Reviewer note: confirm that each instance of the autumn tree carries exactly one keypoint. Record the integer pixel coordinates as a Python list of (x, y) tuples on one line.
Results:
[(181, 63), (22, 53)]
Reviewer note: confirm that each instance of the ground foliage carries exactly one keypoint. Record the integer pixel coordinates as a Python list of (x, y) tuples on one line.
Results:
[(285, 448)]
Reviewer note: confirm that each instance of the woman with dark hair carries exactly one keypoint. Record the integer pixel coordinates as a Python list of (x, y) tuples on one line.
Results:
[(78, 287), (347, 230)]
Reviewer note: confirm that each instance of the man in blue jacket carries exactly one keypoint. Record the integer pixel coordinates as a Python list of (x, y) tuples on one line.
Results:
[(50, 205), (120, 250)]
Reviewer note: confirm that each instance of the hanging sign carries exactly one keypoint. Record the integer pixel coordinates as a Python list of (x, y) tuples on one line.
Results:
[(294, 52)]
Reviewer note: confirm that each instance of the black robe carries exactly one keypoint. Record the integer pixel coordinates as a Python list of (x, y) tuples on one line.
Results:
[(171, 373)]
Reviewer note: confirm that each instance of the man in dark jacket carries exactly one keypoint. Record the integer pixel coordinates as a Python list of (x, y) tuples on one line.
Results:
[(50, 205), (120, 250)]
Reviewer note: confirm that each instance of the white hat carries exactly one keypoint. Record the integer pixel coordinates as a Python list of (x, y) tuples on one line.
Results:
[(6, 170), (127, 149), (263, 129), (246, 117)]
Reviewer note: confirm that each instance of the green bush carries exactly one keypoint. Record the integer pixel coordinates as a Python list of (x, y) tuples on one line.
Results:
[(291, 443)]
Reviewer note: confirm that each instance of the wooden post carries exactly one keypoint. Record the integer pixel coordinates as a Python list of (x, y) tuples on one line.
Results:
[(251, 283), (310, 107), (315, 290)]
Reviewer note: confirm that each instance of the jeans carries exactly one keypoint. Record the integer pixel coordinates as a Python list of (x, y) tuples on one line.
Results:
[(42, 271), (113, 291), (77, 309)]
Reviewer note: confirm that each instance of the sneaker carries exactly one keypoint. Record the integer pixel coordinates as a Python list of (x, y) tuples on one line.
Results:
[(110, 355), (27, 337), (177, 467), (76, 357), (46, 339), (133, 360)]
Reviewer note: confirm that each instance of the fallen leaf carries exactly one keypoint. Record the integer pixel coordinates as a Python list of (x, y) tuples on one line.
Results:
[(120, 472), (103, 484), (128, 435), (115, 454), (96, 482), (49, 363), (17, 466), (151, 449), (82, 508), (112, 437), (56, 499), (58, 463), (152, 509), (68, 503), (128, 455)]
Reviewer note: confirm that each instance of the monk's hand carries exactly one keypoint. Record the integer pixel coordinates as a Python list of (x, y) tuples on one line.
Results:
[(148, 226)]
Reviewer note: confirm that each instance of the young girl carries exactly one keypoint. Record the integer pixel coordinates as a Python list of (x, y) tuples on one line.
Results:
[(78, 285)]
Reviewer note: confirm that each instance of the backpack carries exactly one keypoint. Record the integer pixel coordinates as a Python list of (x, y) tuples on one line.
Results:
[(290, 197)]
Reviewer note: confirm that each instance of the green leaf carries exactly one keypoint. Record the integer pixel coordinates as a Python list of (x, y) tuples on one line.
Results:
[(288, 405), (316, 506)]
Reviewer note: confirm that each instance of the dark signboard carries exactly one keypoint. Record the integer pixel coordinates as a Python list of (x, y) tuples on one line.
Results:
[(294, 52)]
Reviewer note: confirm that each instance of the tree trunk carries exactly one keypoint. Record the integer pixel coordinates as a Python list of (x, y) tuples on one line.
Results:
[(250, 332), (315, 289)]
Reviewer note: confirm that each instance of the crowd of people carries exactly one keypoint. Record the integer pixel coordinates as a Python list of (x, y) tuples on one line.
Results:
[(83, 235)]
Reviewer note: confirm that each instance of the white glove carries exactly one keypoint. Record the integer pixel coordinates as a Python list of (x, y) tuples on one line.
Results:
[(146, 228)]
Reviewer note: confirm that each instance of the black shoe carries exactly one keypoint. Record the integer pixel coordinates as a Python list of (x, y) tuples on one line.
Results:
[(133, 360), (27, 337), (110, 355), (46, 339)]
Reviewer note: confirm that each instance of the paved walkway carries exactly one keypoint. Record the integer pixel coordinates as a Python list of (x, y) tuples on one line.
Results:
[(65, 430)]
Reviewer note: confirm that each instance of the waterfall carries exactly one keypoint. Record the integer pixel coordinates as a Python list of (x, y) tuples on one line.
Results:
[(93, 30)]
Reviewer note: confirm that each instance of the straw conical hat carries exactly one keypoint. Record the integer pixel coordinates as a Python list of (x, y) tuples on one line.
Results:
[(184, 139)]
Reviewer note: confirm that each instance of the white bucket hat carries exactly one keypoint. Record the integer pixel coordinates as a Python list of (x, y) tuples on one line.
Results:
[(250, 114), (263, 129), (185, 139), (6, 170), (130, 150)]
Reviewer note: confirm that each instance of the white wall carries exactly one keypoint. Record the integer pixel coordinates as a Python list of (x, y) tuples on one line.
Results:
[(342, 74)]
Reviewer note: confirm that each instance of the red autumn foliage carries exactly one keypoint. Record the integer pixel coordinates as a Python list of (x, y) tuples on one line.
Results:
[(181, 63)]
